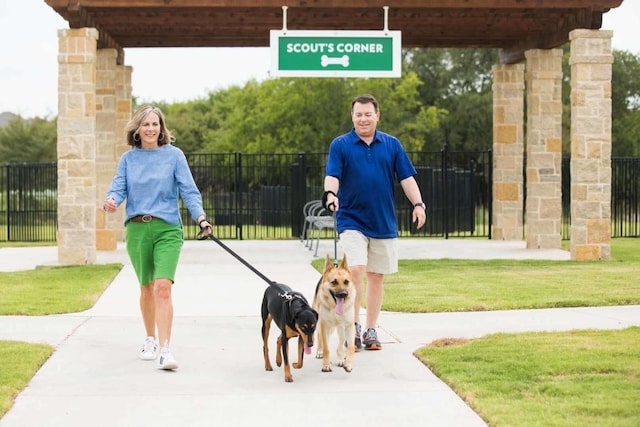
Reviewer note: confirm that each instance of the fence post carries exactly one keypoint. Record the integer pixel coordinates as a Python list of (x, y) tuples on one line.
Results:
[(237, 211), (490, 193), (9, 203), (445, 200), (298, 193)]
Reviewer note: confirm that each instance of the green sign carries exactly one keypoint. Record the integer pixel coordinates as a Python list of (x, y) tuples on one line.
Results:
[(335, 53)]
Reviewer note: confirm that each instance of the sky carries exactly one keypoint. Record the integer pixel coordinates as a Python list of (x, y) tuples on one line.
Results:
[(29, 68)]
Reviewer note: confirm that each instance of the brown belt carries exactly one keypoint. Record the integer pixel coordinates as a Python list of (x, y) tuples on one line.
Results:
[(143, 218)]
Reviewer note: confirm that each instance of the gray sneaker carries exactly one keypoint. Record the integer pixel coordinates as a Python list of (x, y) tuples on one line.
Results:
[(358, 341), (370, 339)]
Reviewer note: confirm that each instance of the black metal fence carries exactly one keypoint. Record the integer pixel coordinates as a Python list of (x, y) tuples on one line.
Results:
[(28, 202), (260, 196)]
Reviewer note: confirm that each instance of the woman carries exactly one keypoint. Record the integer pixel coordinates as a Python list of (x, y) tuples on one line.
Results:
[(151, 177)]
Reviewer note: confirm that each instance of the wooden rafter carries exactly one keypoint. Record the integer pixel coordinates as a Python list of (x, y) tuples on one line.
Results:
[(513, 26)]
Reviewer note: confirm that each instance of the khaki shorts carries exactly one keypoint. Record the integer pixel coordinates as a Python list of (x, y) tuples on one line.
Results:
[(378, 255), (154, 249)]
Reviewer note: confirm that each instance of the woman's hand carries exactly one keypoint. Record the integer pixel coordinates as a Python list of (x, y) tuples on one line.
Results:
[(109, 205), (206, 228)]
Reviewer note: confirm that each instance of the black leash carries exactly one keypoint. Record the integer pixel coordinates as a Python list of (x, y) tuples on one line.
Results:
[(335, 240), (238, 257)]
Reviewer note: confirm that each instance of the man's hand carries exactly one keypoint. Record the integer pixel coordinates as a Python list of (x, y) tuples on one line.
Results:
[(419, 216), (330, 201)]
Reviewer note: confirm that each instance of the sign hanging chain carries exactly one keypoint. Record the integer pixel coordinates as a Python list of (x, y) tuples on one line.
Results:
[(284, 19), (386, 19)]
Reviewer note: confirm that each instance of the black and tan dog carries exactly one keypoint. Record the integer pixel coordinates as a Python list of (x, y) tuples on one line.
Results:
[(294, 316), (334, 299)]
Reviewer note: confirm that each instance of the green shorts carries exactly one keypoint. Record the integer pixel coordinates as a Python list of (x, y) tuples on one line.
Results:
[(154, 249)]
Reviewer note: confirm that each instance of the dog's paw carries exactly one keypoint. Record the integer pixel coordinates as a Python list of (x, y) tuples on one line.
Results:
[(296, 365), (343, 364), (326, 368), (319, 355), (288, 379)]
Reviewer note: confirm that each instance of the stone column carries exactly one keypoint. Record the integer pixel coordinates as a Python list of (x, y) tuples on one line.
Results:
[(124, 108), (591, 68), (508, 151), (543, 204), (105, 141), (77, 146)]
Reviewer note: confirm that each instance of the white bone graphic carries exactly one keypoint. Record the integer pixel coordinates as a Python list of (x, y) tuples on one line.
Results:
[(327, 60)]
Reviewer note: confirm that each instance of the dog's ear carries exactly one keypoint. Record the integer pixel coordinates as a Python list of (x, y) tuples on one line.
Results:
[(315, 313), (343, 264), (328, 265)]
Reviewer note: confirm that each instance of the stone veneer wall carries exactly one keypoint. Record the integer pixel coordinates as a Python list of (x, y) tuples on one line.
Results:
[(105, 142), (543, 204), (124, 109), (113, 110), (508, 150), (591, 68), (94, 96), (77, 146)]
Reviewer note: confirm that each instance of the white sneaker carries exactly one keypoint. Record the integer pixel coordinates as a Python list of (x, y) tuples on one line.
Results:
[(166, 360), (149, 349)]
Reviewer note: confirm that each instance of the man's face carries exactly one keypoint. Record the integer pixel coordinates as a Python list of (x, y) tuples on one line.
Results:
[(365, 118)]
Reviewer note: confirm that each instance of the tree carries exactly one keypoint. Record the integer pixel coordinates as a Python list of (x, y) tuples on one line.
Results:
[(625, 105), (31, 141), (458, 83)]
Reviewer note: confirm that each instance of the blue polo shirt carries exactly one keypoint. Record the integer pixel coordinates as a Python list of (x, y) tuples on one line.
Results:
[(367, 174)]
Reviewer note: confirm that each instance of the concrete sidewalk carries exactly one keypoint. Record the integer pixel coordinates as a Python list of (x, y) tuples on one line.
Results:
[(95, 377)]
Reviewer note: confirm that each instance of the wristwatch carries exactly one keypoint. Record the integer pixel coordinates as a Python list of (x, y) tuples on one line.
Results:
[(422, 205)]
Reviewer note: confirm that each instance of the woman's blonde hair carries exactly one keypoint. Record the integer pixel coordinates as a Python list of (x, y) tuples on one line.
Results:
[(133, 126)]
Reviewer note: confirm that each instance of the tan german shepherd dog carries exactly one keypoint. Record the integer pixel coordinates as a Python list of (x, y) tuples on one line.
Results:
[(334, 299)]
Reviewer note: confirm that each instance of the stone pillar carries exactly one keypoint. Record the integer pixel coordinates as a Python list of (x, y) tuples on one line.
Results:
[(106, 134), (543, 204), (591, 68), (77, 146), (124, 109), (508, 151)]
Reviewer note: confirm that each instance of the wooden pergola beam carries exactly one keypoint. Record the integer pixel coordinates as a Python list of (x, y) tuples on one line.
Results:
[(513, 26)]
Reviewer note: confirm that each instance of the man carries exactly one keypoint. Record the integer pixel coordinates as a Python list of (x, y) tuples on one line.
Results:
[(359, 187)]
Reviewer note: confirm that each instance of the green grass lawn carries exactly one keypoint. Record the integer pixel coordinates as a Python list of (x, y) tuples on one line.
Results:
[(20, 361), (54, 290), (576, 378), (423, 286)]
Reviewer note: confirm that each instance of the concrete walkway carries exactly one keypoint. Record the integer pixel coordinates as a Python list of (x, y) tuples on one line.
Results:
[(95, 377)]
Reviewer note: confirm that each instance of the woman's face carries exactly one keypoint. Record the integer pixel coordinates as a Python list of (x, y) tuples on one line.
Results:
[(149, 130)]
